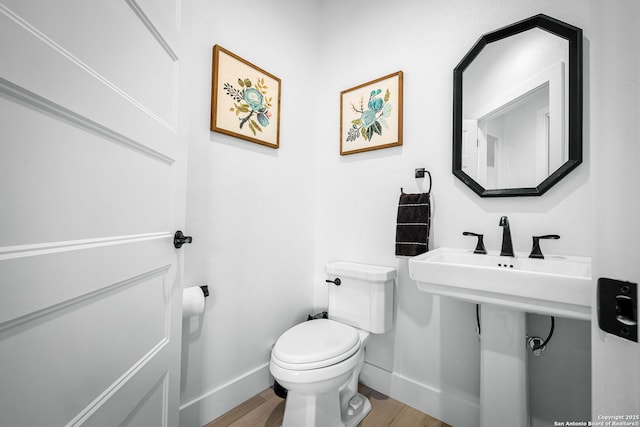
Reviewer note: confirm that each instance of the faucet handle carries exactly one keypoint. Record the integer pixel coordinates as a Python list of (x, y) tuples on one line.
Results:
[(535, 250), (480, 249)]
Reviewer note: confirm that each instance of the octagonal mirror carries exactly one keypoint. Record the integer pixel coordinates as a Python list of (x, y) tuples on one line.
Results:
[(517, 105)]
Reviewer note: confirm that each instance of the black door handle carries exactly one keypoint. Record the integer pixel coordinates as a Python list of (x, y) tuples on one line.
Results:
[(180, 239)]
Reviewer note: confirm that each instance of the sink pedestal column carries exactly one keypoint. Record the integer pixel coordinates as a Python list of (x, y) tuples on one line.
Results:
[(503, 368)]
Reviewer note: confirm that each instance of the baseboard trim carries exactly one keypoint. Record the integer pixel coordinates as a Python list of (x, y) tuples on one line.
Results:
[(446, 407), (218, 401)]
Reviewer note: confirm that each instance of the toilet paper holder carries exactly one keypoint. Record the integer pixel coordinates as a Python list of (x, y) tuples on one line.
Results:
[(205, 290), (194, 301)]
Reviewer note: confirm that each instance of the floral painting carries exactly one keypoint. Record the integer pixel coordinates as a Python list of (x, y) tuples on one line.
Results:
[(245, 100), (250, 102), (371, 115)]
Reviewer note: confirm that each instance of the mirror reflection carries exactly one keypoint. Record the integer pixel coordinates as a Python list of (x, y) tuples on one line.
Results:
[(514, 111)]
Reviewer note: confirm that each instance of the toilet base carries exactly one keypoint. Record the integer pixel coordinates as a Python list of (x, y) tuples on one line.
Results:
[(353, 416), (324, 410)]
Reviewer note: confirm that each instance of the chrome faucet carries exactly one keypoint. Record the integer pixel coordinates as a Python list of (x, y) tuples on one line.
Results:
[(507, 246)]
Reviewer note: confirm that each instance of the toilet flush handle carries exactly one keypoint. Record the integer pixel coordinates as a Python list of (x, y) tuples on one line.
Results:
[(336, 282)]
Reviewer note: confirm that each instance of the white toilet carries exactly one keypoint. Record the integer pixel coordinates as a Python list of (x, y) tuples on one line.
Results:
[(319, 361)]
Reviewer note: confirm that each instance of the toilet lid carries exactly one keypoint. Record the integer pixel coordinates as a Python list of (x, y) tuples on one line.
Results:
[(315, 344)]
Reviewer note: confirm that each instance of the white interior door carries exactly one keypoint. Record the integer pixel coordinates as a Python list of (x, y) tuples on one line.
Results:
[(90, 177), (615, 72)]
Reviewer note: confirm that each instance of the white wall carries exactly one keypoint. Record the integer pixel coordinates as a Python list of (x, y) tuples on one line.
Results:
[(433, 354), (266, 221), (250, 208)]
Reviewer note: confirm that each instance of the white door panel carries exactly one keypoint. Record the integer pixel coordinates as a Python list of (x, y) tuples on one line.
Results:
[(111, 198), (89, 164), (39, 71), (45, 278), (113, 37), (81, 348)]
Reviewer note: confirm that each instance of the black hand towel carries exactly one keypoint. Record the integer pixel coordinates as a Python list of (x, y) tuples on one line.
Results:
[(414, 220)]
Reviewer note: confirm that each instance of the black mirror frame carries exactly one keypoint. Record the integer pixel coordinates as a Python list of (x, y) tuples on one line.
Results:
[(561, 29)]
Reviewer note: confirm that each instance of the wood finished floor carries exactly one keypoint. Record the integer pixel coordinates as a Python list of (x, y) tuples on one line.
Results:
[(265, 410)]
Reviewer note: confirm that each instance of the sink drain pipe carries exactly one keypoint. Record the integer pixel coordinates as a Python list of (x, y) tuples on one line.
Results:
[(536, 344)]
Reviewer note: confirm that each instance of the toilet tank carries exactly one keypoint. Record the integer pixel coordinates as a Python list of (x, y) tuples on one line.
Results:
[(364, 298)]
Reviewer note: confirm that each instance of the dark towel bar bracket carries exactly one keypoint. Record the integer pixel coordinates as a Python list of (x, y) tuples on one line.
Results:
[(420, 174)]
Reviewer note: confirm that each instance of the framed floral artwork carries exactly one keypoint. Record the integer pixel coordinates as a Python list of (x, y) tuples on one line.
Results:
[(245, 100), (371, 115)]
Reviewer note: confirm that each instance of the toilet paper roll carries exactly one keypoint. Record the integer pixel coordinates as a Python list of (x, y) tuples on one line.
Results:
[(192, 301)]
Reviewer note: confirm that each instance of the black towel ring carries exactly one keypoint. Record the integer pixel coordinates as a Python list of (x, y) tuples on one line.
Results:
[(420, 174)]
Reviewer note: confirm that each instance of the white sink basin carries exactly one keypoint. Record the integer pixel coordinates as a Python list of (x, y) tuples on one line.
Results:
[(555, 285)]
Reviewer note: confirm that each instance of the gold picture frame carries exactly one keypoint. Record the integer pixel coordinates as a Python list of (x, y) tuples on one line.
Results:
[(371, 115), (245, 100)]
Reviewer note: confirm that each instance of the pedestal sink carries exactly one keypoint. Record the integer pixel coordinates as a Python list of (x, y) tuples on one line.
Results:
[(506, 288), (555, 285)]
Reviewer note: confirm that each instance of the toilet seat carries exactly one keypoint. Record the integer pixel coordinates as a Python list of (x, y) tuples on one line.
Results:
[(315, 344)]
